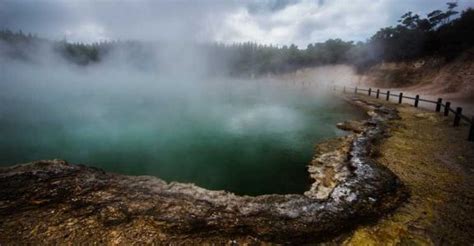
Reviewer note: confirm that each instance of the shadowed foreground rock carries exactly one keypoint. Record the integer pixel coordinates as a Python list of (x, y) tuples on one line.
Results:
[(53, 201)]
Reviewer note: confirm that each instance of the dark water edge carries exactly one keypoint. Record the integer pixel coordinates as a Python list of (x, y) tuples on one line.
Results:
[(249, 142)]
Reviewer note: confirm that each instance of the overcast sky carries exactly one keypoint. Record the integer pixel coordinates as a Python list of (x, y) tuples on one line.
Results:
[(265, 21)]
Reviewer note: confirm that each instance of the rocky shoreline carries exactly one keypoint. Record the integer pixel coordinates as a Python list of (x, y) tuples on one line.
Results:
[(53, 201)]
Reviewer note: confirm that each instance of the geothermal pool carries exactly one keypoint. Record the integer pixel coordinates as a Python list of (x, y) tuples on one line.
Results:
[(247, 137)]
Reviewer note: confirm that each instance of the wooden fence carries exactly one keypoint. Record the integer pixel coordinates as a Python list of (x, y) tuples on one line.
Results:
[(438, 104)]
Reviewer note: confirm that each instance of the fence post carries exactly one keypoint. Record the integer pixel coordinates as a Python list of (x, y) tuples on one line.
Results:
[(457, 116), (400, 97), (471, 131), (344, 90), (370, 91), (438, 105), (388, 95), (446, 108), (417, 98), (378, 92), (355, 91)]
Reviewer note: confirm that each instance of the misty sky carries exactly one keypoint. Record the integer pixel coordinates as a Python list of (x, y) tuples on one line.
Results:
[(265, 21)]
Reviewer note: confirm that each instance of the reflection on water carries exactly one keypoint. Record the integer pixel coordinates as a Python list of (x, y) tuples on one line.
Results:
[(251, 139)]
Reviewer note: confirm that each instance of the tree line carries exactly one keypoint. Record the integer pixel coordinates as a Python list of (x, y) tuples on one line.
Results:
[(438, 33)]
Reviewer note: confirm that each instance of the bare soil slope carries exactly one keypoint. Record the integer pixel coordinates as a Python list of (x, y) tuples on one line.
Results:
[(453, 80)]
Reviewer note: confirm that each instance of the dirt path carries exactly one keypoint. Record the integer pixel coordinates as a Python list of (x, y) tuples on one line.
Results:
[(456, 101), (436, 163)]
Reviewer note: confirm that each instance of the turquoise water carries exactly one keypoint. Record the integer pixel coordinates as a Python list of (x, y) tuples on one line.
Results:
[(246, 137)]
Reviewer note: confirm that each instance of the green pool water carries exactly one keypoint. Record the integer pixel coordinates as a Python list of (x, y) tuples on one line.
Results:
[(242, 136)]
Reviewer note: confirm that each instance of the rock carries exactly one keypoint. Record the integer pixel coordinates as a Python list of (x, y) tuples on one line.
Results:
[(351, 125), (428, 116)]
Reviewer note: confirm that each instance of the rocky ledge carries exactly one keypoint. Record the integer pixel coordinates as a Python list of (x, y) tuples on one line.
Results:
[(53, 201)]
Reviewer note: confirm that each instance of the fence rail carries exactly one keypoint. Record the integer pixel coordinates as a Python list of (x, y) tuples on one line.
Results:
[(458, 116)]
